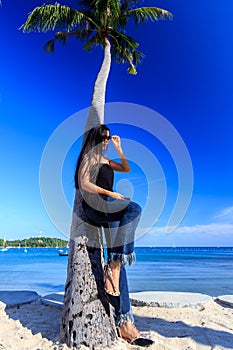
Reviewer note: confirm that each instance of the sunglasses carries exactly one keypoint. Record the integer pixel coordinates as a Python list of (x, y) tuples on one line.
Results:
[(106, 138)]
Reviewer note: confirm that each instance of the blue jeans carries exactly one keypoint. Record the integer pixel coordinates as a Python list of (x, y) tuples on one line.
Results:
[(119, 227)]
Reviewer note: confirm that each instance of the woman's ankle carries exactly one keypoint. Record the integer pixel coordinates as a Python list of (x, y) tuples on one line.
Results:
[(112, 277), (115, 265)]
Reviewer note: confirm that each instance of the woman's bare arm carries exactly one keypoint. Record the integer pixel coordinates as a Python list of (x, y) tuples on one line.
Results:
[(88, 186), (123, 166)]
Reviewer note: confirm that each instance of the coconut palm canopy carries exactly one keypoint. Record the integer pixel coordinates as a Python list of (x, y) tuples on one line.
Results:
[(93, 23)]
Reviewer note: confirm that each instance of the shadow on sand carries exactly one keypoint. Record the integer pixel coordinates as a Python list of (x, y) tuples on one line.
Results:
[(40, 318), (179, 329)]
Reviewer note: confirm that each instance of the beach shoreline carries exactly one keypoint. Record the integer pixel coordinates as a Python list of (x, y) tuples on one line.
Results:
[(35, 326)]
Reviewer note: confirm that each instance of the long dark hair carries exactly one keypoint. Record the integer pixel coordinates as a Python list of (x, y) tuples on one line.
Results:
[(91, 147)]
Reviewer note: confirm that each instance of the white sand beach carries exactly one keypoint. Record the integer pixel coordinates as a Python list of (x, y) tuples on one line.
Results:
[(35, 326)]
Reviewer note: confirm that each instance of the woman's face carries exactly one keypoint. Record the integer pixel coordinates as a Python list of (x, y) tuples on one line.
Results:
[(105, 140)]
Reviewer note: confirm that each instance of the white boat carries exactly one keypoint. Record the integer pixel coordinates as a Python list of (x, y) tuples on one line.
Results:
[(63, 252), (4, 248)]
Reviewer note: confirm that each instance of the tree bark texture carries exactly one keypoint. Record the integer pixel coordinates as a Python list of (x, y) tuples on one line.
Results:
[(96, 110), (86, 315)]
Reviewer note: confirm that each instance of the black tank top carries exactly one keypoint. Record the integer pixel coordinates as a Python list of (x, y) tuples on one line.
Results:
[(105, 176)]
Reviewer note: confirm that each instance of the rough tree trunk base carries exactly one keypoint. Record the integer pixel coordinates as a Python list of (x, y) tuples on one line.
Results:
[(86, 315)]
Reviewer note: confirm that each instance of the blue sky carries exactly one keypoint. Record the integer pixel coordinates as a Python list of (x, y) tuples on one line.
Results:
[(186, 76)]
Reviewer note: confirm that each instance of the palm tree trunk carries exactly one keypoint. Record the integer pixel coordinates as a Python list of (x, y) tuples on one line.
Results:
[(86, 316), (96, 111)]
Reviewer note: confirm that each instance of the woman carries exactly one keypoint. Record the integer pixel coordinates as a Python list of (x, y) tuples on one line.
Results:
[(94, 176)]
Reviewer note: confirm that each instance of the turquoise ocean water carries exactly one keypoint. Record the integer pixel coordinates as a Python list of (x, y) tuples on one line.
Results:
[(202, 270)]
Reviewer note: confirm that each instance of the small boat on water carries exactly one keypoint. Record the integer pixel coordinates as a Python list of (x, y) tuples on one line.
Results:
[(4, 248), (63, 252)]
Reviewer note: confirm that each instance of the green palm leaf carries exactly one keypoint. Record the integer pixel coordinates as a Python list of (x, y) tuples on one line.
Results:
[(124, 49), (54, 17), (104, 9), (143, 14), (62, 37), (49, 46), (123, 40), (93, 41), (82, 34)]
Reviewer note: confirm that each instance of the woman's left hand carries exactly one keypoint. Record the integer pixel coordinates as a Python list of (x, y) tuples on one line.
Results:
[(116, 141)]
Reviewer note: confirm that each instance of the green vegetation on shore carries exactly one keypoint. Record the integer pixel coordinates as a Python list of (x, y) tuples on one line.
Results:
[(40, 242)]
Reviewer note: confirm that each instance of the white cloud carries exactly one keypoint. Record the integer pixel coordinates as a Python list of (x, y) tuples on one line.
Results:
[(226, 214), (214, 234), (210, 229), (217, 233)]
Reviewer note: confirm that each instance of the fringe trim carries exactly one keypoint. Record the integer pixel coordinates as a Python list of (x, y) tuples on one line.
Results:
[(124, 259), (123, 318)]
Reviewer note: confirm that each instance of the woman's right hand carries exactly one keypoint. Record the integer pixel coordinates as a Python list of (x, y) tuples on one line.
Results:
[(117, 195)]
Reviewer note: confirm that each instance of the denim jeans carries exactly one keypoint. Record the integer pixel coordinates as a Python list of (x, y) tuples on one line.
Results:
[(119, 228)]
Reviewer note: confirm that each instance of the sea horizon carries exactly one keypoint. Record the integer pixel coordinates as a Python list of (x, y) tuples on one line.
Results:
[(139, 246)]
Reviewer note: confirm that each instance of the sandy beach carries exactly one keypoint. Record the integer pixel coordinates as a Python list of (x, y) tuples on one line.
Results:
[(35, 326)]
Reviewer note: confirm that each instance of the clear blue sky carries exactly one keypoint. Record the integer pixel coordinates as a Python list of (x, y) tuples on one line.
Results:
[(186, 76)]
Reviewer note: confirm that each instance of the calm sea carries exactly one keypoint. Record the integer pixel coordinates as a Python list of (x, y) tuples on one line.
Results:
[(203, 270)]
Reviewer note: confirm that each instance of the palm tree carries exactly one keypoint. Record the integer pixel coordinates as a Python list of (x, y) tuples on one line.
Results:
[(102, 23), (85, 318)]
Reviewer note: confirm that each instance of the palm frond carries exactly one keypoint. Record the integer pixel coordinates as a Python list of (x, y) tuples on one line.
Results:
[(62, 37), (107, 12), (124, 49), (49, 46), (114, 13), (98, 7), (125, 6), (82, 34), (137, 56), (94, 5), (54, 17), (143, 14), (94, 40), (124, 14), (122, 40)]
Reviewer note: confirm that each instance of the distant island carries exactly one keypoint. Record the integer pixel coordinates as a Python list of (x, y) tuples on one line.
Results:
[(34, 242)]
